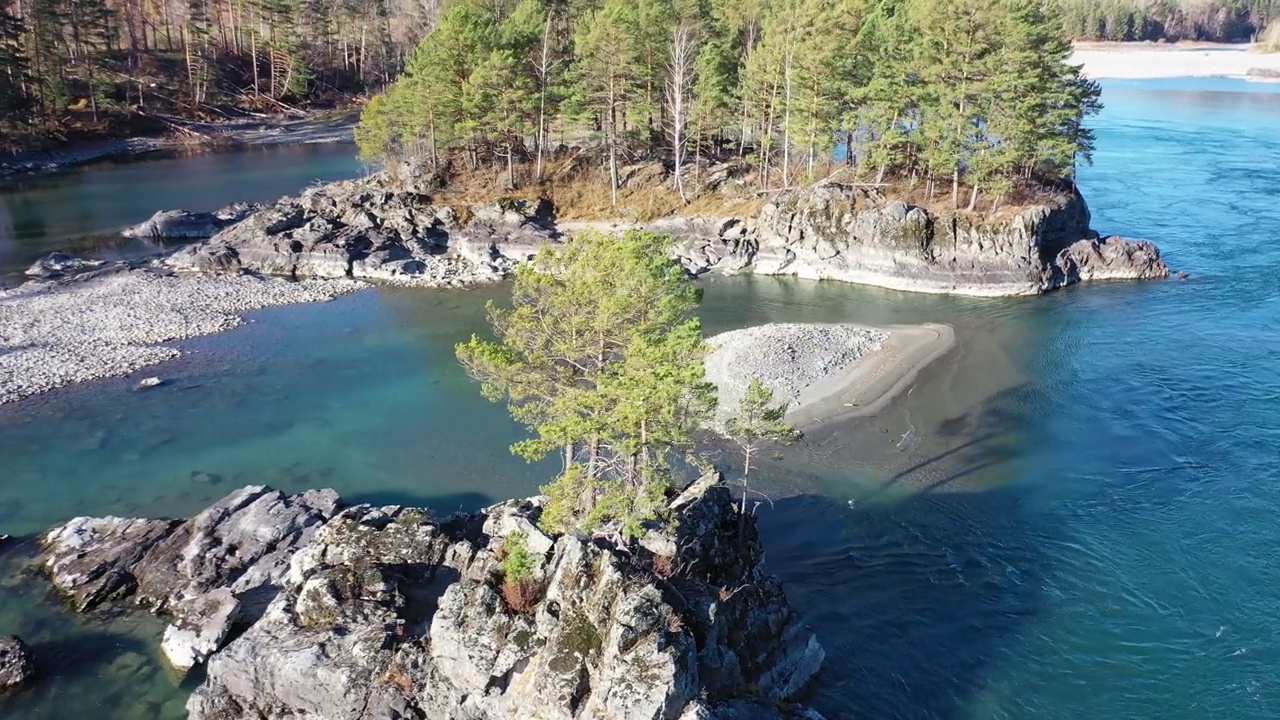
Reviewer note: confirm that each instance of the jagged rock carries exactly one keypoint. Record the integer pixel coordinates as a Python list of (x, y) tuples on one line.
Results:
[(17, 664), (379, 228), (386, 227), (204, 625), (58, 265), (391, 613), (241, 545), (184, 225)]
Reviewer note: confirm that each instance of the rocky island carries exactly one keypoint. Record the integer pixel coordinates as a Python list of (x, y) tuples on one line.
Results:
[(398, 227), (300, 606)]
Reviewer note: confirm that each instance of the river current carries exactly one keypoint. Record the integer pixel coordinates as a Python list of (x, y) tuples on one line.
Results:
[(1087, 525)]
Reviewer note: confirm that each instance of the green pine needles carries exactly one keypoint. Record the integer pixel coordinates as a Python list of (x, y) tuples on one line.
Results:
[(972, 93), (600, 356)]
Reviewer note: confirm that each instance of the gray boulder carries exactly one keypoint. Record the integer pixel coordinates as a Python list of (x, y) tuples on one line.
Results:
[(58, 265), (379, 228), (221, 567), (185, 225), (17, 664), (840, 232)]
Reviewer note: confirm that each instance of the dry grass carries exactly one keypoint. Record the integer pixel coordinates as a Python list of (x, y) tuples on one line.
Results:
[(578, 186), (522, 596), (396, 675), (664, 566)]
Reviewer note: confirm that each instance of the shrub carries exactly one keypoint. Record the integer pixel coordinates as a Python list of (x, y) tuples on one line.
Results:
[(521, 591)]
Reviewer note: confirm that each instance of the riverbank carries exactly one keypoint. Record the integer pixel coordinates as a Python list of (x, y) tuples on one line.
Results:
[(321, 128), (1132, 61)]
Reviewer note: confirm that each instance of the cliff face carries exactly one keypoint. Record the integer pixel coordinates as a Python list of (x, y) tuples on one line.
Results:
[(833, 232), (386, 612)]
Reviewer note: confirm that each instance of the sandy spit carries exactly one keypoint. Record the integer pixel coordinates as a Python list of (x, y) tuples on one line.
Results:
[(824, 372)]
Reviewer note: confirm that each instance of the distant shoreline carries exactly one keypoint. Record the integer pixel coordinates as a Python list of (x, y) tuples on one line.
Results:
[(1151, 61), (319, 128)]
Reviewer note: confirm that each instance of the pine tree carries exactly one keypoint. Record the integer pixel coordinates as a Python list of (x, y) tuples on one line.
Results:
[(758, 421), (15, 71), (601, 357), (606, 77)]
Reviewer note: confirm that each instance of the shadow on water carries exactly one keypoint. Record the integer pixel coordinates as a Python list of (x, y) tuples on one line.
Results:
[(914, 601), (920, 586)]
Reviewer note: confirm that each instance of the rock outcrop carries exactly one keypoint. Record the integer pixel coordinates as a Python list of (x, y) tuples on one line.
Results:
[(839, 232), (389, 228), (377, 229), (388, 612), (184, 225), (17, 664), (221, 567)]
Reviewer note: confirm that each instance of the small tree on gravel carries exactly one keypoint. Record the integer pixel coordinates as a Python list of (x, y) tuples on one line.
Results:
[(759, 421)]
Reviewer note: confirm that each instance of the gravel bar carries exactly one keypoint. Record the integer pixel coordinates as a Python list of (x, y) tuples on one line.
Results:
[(787, 357), (57, 333)]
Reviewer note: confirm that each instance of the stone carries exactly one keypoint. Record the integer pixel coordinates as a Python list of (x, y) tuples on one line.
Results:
[(184, 225), (390, 612), (204, 626), (148, 383), (17, 664), (58, 265), (838, 232), (220, 567), (379, 228), (204, 478)]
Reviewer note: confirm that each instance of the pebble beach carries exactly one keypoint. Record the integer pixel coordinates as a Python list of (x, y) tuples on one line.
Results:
[(109, 325)]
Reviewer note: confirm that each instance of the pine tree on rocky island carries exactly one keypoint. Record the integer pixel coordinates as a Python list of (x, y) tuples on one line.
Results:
[(600, 356)]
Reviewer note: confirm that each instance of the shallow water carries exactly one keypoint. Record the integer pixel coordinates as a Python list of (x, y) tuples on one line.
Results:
[(76, 210), (1087, 527)]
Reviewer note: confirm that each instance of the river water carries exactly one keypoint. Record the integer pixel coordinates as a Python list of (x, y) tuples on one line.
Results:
[(1087, 525)]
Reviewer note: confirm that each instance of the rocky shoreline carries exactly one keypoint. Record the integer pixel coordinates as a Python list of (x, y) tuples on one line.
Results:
[(299, 606)]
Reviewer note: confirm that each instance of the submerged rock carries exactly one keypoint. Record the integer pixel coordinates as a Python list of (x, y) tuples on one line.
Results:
[(148, 383), (17, 664), (389, 612)]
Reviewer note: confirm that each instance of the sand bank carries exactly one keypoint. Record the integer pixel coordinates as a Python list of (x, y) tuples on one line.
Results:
[(826, 380), (1149, 61)]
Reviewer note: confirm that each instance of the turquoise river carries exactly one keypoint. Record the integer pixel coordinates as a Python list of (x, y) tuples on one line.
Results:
[(1089, 526)]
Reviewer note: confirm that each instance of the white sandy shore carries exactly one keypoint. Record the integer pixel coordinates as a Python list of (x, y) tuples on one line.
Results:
[(1150, 61), (111, 324), (828, 383)]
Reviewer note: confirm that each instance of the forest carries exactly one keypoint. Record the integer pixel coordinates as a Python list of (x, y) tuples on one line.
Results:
[(72, 68), (75, 69), (977, 94), (1169, 20)]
